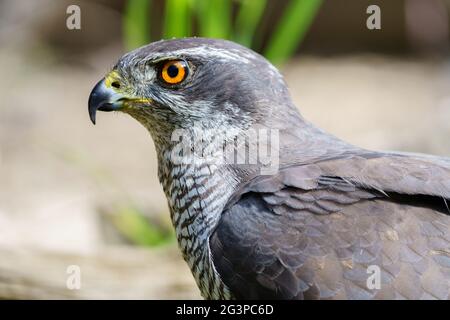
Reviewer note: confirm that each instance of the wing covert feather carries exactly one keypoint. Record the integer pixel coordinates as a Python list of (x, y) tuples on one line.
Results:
[(312, 232)]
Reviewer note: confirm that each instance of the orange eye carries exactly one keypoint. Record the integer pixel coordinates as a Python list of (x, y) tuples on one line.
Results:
[(173, 72)]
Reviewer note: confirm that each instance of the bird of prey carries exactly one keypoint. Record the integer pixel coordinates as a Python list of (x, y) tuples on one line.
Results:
[(333, 221)]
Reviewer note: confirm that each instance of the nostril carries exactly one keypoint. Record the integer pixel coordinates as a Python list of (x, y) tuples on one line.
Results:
[(116, 84)]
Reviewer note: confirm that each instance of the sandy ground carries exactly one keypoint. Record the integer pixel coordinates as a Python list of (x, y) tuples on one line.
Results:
[(57, 169)]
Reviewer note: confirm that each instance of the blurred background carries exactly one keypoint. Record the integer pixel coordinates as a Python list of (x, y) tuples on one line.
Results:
[(75, 194)]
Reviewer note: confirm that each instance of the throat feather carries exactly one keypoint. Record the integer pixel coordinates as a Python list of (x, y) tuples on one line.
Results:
[(197, 194)]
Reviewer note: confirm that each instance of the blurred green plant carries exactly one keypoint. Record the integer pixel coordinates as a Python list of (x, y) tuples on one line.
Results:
[(135, 23), (215, 19), (291, 29), (139, 230), (247, 20), (177, 20)]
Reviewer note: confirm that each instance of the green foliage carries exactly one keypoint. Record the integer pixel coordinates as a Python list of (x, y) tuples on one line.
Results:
[(247, 20), (291, 29), (135, 23), (177, 21), (215, 19), (136, 228)]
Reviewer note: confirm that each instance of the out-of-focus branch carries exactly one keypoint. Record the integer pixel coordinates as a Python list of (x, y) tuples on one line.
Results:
[(125, 273)]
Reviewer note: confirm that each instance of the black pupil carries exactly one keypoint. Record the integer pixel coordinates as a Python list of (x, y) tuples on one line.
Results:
[(172, 71)]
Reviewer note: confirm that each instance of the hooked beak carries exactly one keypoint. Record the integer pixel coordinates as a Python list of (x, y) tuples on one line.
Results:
[(104, 98)]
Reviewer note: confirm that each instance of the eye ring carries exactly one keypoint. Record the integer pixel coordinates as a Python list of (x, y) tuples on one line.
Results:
[(174, 72)]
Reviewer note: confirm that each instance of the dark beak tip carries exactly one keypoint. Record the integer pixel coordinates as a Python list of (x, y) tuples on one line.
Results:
[(92, 112), (94, 102)]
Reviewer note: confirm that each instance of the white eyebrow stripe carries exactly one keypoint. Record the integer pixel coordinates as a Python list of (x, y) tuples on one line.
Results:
[(210, 52)]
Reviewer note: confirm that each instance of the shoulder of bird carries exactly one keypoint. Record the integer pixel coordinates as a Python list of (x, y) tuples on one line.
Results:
[(313, 231), (334, 221)]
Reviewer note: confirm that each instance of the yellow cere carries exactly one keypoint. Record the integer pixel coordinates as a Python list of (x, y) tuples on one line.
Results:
[(111, 77), (127, 101)]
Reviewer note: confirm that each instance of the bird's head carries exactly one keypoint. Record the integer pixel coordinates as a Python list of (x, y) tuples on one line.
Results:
[(174, 84)]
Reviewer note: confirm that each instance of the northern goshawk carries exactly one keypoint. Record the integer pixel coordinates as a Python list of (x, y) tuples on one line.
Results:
[(322, 223)]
